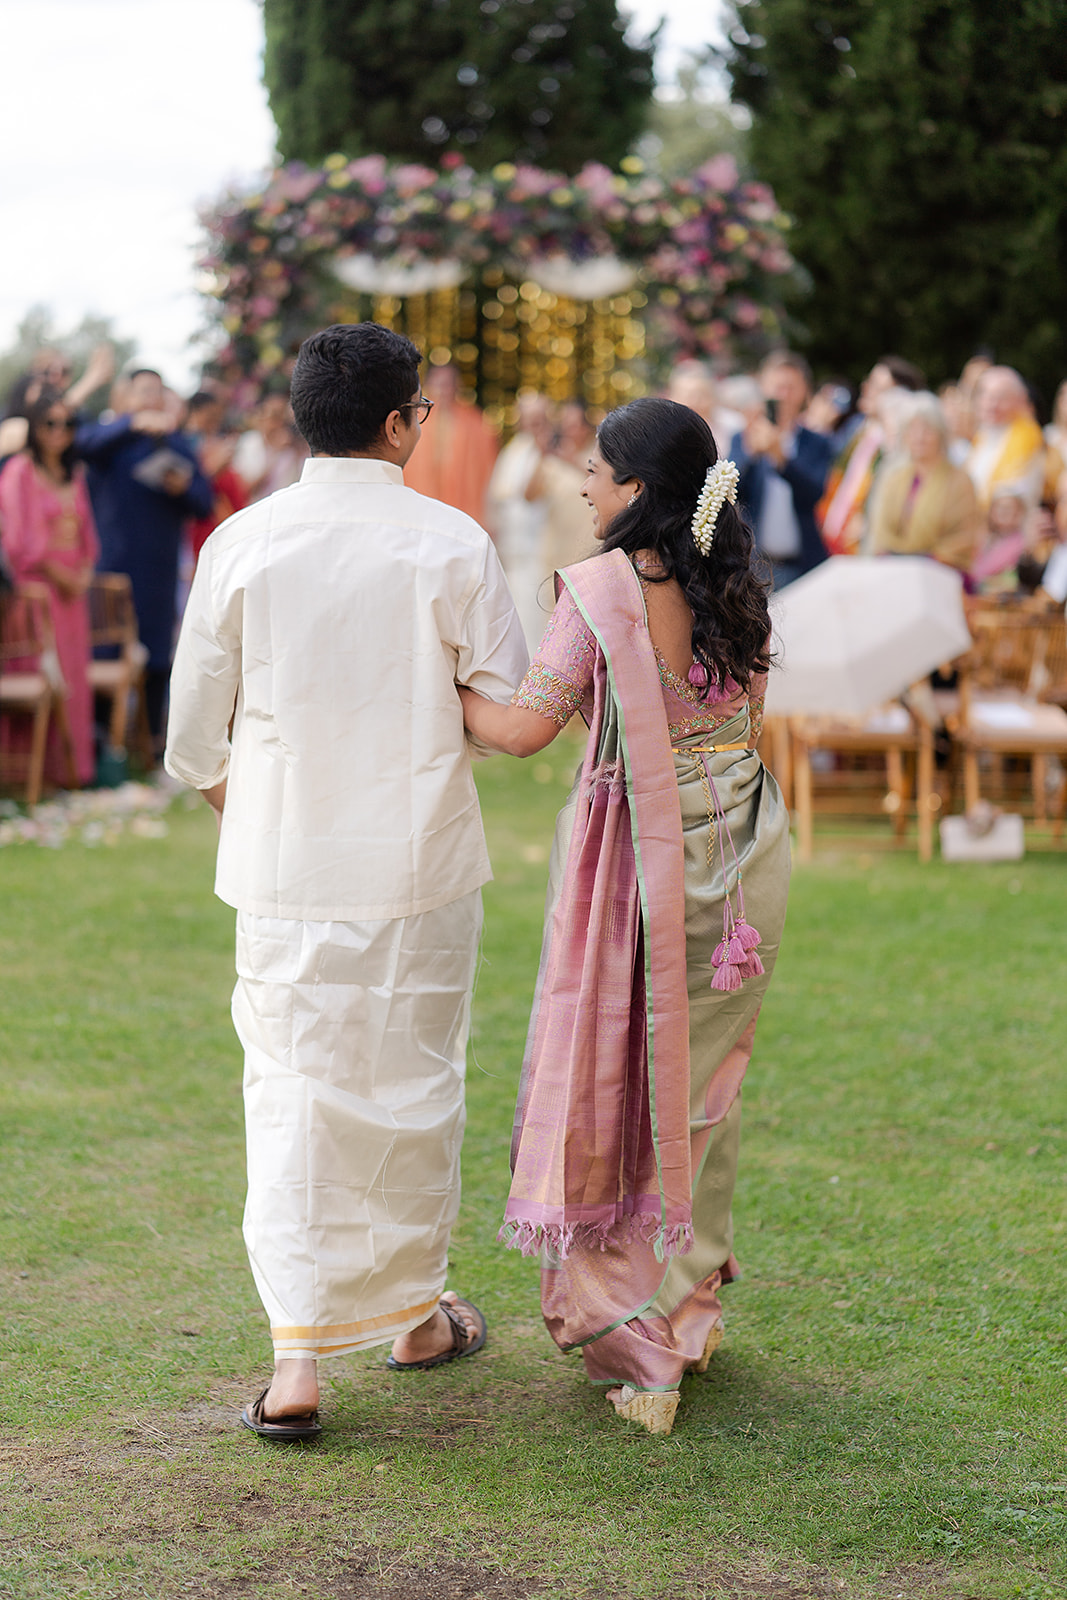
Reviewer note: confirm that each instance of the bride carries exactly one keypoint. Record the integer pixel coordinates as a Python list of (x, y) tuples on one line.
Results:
[(666, 901)]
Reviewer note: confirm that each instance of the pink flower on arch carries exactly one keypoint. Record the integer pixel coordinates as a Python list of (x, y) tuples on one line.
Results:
[(719, 173)]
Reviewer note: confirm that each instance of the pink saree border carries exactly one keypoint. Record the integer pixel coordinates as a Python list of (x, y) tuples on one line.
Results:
[(621, 631), (608, 595)]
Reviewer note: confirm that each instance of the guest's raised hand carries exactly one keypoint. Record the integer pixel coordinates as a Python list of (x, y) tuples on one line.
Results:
[(763, 438), (155, 423)]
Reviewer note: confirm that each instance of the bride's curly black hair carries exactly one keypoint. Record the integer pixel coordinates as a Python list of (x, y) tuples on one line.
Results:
[(669, 448)]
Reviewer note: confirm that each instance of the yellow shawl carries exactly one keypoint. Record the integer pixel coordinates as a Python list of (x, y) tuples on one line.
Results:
[(1023, 444), (941, 519)]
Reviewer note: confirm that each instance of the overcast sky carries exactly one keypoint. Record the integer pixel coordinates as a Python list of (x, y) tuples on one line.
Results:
[(117, 118)]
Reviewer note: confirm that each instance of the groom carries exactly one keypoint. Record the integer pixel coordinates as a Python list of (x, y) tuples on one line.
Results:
[(332, 622)]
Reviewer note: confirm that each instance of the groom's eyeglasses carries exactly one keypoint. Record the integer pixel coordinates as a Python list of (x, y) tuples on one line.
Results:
[(421, 407)]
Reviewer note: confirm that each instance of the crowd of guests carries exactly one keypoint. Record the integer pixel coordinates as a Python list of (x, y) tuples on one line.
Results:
[(966, 476), (135, 491)]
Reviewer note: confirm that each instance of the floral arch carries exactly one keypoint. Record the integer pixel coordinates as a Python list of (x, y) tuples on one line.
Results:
[(521, 277)]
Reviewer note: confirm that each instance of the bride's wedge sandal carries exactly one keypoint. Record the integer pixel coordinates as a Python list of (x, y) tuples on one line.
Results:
[(650, 1409), (716, 1335)]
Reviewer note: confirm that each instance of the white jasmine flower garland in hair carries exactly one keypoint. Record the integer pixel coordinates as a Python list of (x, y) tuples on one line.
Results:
[(720, 485)]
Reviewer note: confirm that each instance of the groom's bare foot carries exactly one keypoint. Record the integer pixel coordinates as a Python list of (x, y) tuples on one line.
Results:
[(434, 1336), (294, 1391)]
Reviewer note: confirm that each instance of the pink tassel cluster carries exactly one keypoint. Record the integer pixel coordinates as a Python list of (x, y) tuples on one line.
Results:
[(735, 958), (698, 675)]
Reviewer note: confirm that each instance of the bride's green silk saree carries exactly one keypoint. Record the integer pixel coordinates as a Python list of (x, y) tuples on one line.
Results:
[(627, 1126)]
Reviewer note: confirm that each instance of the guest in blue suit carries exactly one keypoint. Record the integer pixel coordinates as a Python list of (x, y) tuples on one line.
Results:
[(783, 468), (140, 515)]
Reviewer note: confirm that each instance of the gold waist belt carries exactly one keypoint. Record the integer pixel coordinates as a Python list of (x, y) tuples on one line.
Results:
[(706, 749)]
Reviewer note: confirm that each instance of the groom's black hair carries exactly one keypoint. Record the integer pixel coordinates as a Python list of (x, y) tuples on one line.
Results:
[(347, 380)]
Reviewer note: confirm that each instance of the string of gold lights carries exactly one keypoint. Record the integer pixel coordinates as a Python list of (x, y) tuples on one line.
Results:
[(507, 337)]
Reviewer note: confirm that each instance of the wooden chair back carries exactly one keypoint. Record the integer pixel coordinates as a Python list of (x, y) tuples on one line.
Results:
[(1012, 646), (31, 686), (25, 627), (119, 676), (112, 619), (1005, 707)]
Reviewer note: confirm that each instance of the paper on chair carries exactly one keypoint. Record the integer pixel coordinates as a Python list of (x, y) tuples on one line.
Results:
[(1002, 714)]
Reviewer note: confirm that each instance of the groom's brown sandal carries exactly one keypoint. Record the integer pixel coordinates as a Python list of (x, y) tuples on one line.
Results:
[(285, 1429), (463, 1342)]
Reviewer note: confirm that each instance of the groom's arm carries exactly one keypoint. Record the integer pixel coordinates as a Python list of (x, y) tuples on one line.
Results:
[(492, 650), (203, 689)]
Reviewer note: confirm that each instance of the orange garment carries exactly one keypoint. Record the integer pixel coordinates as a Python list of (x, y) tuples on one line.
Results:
[(454, 459), (847, 490)]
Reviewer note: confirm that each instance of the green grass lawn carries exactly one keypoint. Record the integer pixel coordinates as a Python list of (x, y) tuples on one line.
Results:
[(886, 1417)]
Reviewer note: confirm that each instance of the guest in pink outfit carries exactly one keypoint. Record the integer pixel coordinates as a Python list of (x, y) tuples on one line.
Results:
[(50, 537)]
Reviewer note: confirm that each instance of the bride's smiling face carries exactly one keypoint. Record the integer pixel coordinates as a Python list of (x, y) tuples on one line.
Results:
[(606, 497)]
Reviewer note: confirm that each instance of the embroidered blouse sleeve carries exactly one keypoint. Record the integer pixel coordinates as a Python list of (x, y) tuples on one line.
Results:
[(562, 668)]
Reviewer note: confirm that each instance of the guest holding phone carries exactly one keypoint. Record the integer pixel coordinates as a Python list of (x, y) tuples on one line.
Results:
[(783, 468), (146, 483)]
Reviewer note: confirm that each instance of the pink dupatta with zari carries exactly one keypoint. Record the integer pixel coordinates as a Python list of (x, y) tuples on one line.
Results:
[(602, 1128)]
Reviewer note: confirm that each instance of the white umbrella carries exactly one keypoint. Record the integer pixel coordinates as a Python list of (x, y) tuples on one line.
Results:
[(858, 631)]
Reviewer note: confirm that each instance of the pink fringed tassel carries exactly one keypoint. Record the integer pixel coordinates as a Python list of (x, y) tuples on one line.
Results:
[(753, 967), (563, 1239), (674, 1241), (726, 978), (747, 934)]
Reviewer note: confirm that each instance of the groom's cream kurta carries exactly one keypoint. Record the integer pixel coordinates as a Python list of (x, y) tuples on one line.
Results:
[(332, 621)]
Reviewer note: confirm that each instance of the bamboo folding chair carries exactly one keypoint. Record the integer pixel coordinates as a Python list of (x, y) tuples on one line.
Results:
[(1049, 680), (119, 676), (776, 753), (31, 686), (1001, 712), (895, 732)]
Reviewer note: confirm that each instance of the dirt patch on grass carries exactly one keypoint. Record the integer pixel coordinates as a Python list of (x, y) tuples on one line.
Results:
[(371, 1574), (173, 1523)]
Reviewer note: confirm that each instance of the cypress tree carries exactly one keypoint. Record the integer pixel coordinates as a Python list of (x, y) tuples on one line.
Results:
[(552, 81), (921, 146)]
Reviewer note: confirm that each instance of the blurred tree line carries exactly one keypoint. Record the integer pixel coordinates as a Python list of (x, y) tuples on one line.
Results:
[(920, 145), (549, 81), (691, 121)]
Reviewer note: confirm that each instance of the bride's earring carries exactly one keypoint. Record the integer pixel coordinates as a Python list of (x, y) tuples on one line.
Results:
[(632, 500)]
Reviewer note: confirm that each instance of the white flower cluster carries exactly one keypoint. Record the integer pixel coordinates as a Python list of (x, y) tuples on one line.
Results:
[(93, 816), (720, 485)]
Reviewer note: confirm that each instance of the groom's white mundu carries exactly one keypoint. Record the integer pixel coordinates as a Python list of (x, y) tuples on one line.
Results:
[(337, 617)]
